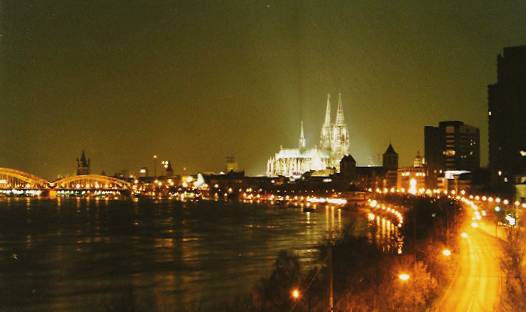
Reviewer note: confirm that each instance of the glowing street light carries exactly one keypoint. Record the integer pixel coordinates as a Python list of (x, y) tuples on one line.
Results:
[(446, 252), (464, 235), (511, 220), (155, 165), (404, 277), (295, 294)]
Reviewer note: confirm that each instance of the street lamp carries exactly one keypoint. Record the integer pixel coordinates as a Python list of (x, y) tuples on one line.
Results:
[(155, 165), (446, 252), (295, 294), (404, 277)]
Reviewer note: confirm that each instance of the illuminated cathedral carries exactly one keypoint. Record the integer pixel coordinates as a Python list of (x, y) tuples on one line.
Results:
[(334, 144)]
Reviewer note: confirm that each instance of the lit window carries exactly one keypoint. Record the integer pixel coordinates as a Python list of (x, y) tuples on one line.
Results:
[(449, 152), (489, 113)]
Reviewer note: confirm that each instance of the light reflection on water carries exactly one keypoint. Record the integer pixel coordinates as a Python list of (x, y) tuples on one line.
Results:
[(385, 234), (70, 254)]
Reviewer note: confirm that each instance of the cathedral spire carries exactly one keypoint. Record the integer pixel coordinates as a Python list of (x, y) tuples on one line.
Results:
[(326, 129), (328, 111), (302, 141), (339, 113)]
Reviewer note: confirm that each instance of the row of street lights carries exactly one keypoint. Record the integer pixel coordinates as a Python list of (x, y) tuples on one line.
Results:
[(405, 277)]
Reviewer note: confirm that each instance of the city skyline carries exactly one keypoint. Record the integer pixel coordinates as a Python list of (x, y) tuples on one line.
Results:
[(195, 83), (278, 155)]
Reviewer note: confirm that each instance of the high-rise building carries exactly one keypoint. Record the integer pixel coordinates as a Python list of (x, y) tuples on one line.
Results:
[(452, 146), (432, 154), (83, 165), (507, 117)]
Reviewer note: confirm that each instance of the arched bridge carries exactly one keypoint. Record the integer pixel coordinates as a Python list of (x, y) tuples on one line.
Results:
[(16, 179), (90, 182), (18, 182)]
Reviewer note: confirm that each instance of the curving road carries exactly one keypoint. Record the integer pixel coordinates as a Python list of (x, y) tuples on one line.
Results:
[(477, 282)]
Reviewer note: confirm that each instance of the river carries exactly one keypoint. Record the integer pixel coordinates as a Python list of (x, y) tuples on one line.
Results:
[(78, 254)]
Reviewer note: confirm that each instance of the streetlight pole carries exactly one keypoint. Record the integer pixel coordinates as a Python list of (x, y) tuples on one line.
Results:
[(154, 166), (331, 279), (330, 260)]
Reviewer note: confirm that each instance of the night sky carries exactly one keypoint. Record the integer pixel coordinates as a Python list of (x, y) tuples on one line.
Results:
[(196, 81)]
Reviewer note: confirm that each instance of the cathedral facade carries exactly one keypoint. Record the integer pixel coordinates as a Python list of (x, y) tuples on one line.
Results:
[(334, 145)]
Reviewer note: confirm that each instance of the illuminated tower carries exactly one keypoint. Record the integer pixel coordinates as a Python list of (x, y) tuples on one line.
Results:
[(326, 129), (340, 135), (302, 142)]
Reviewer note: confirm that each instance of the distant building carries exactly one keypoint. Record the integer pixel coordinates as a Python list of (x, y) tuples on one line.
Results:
[(83, 165), (334, 145), (143, 172), (390, 158), (365, 177), (412, 179), (371, 177), (433, 149), (231, 164), (348, 168), (122, 174), (452, 146), (507, 118), (390, 164), (419, 161), (168, 169)]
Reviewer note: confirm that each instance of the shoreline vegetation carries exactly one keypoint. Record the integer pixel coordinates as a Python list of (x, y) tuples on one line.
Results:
[(365, 277)]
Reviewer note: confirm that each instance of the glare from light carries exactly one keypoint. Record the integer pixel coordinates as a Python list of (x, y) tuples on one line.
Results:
[(295, 294), (404, 277)]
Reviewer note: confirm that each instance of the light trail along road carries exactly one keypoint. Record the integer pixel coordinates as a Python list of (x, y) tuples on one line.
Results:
[(476, 284)]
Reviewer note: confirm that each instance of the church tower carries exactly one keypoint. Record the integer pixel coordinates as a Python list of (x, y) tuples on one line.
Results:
[(326, 129), (340, 135), (390, 158), (83, 165)]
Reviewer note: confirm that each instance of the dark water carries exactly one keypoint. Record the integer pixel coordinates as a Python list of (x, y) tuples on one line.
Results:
[(93, 255)]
